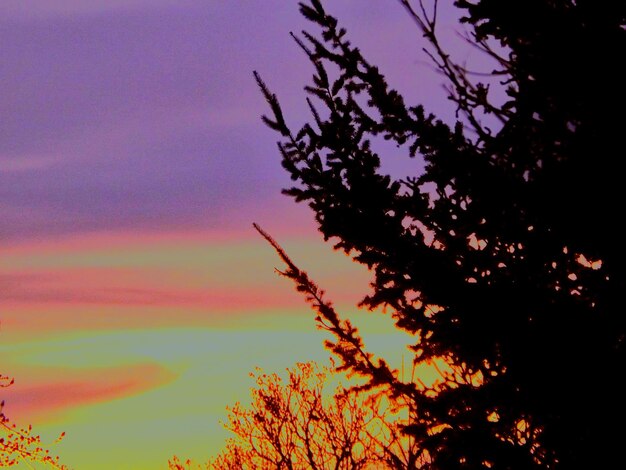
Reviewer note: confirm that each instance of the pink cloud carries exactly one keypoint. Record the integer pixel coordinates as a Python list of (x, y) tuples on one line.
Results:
[(34, 399), (13, 164), (139, 280)]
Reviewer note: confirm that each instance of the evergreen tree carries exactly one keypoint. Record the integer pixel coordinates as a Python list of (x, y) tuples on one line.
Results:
[(505, 256)]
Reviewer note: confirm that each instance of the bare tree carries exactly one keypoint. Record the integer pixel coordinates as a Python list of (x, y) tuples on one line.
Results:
[(296, 424)]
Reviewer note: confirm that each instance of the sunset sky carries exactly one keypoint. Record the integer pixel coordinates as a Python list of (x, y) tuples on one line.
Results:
[(135, 297)]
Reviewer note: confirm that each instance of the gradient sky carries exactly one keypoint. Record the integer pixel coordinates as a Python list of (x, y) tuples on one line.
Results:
[(135, 296)]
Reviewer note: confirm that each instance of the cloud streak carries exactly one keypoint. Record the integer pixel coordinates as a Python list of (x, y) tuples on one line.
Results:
[(33, 399), (122, 280), (36, 9)]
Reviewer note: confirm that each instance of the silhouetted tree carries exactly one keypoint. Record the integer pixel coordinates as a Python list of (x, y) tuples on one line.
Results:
[(297, 425), (176, 464), (505, 256)]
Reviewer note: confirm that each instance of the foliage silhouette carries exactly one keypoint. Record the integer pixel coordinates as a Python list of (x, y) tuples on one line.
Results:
[(505, 255), (20, 445)]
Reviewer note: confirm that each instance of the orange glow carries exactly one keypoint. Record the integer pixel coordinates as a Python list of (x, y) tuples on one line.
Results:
[(595, 265)]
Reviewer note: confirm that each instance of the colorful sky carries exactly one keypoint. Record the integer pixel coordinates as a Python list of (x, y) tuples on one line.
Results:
[(135, 296)]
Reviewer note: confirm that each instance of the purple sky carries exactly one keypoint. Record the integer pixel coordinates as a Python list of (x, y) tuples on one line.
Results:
[(143, 115)]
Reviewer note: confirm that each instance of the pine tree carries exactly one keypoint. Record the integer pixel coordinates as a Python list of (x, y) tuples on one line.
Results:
[(505, 256)]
